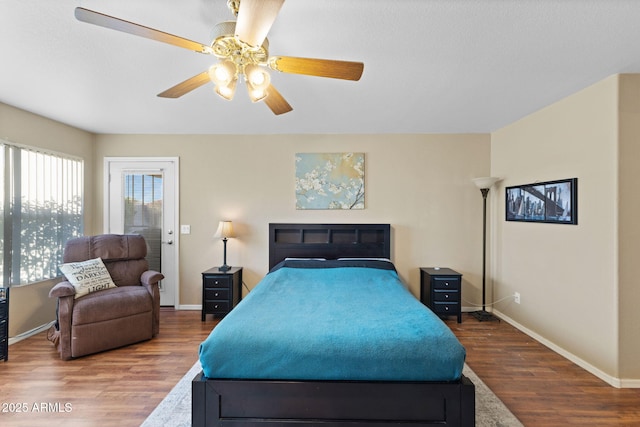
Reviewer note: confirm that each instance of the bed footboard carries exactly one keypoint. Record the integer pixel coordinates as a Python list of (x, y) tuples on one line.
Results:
[(331, 403)]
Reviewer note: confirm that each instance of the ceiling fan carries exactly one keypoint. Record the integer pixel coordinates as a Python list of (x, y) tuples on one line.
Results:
[(242, 48)]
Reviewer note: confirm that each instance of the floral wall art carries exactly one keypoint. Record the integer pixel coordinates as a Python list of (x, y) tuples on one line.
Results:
[(330, 181)]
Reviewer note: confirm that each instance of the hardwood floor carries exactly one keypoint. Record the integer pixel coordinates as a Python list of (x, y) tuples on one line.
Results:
[(538, 385), (115, 388), (121, 387)]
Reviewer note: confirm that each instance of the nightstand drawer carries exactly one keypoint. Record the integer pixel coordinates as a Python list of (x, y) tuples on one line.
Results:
[(3, 309), (445, 307), (445, 296), (217, 282), (216, 294), (452, 283), (216, 307)]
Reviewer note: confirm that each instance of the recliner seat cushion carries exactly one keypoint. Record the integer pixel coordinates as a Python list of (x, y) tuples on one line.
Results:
[(111, 304)]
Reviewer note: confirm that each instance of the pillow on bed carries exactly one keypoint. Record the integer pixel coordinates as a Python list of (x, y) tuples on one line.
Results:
[(380, 263), (87, 276)]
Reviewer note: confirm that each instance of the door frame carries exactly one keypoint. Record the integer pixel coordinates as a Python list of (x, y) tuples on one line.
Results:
[(176, 208)]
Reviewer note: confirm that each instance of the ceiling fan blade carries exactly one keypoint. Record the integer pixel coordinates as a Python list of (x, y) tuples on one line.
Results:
[(186, 86), (276, 102), (345, 70), (255, 18), (106, 21)]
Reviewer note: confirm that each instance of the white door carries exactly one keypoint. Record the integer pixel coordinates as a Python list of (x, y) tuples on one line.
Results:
[(141, 198)]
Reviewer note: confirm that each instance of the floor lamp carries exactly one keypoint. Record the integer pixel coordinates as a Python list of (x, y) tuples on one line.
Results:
[(484, 184)]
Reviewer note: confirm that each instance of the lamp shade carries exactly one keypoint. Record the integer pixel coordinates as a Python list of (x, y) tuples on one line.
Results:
[(485, 182), (224, 231)]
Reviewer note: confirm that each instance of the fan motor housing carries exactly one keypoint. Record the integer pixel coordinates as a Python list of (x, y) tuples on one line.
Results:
[(226, 46)]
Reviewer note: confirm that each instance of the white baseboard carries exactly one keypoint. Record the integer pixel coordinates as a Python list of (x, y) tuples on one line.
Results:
[(30, 333), (613, 381), (194, 307)]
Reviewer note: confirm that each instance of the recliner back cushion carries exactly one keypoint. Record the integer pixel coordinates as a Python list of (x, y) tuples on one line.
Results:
[(123, 255), (127, 273)]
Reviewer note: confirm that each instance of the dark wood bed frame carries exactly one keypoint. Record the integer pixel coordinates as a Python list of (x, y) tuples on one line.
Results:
[(330, 403)]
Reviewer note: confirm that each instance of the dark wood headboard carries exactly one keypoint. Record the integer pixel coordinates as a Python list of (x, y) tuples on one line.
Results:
[(328, 241)]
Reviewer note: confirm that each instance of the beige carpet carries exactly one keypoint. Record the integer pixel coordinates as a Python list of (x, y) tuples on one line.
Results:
[(175, 409)]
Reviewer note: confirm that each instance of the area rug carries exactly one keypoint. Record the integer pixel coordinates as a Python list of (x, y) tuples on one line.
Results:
[(175, 409)]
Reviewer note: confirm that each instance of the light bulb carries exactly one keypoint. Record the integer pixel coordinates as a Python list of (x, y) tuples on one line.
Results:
[(257, 77), (256, 94), (227, 91), (223, 73)]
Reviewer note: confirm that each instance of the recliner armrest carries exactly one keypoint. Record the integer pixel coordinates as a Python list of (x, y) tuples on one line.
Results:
[(62, 289), (151, 277), (149, 280)]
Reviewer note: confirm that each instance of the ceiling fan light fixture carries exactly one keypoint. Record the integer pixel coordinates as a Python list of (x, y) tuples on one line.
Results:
[(258, 80), (227, 91), (223, 73), (256, 95), (257, 76)]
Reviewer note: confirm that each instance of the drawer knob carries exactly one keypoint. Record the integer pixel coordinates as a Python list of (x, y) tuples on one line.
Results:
[(446, 296), (217, 282), (216, 306), (216, 294), (446, 309), (446, 283)]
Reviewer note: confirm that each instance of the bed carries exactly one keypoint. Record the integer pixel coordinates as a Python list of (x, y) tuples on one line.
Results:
[(382, 378)]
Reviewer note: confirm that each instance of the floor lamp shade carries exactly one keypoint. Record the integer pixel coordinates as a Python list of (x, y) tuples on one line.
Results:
[(485, 182), (224, 232)]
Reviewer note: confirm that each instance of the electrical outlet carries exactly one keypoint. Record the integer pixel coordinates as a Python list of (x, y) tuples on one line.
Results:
[(516, 297), (185, 229)]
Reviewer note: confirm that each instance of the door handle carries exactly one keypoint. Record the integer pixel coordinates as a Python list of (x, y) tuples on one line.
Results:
[(168, 242)]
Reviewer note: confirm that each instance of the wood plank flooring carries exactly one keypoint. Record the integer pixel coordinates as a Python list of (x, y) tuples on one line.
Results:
[(122, 387), (115, 388), (538, 385)]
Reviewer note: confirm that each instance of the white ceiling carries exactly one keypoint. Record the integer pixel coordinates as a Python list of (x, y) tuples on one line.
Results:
[(431, 66)]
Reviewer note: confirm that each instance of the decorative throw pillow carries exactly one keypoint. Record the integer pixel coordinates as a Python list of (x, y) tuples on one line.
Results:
[(87, 276)]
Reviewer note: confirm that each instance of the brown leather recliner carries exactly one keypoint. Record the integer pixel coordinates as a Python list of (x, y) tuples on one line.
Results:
[(109, 318)]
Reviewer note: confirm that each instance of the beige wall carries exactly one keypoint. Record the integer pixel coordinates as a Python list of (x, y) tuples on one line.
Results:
[(629, 226), (421, 184), (578, 283), (567, 275), (30, 306)]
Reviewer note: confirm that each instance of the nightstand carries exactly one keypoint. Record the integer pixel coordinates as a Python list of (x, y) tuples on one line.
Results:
[(4, 324), (441, 291), (221, 291)]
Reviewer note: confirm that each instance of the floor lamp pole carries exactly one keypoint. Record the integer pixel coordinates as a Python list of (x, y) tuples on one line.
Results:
[(483, 314), (484, 191)]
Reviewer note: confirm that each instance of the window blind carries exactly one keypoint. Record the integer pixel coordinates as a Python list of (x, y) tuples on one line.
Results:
[(41, 208)]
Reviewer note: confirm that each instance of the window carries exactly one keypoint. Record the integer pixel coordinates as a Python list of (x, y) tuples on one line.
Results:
[(41, 207)]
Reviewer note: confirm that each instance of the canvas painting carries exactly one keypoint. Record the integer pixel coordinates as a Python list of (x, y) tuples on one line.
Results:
[(330, 181)]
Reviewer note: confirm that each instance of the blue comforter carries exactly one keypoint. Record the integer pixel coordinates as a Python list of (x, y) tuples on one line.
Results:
[(340, 323)]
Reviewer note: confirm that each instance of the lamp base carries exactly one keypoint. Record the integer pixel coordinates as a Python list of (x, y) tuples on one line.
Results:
[(483, 315), (224, 268)]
